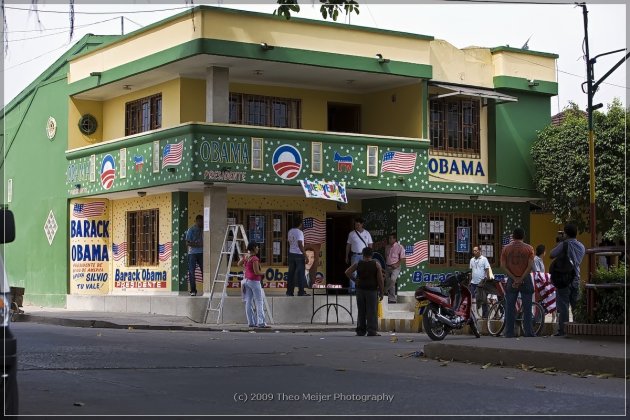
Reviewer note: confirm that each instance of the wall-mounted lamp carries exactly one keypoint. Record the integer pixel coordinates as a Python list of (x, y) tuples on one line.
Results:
[(127, 87), (532, 83), (265, 46), (381, 60), (474, 197), (401, 179), (96, 73), (171, 170), (77, 186), (142, 193)]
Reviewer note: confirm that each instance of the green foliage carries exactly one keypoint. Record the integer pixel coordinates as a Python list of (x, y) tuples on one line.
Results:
[(610, 305), (561, 159), (328, 9)]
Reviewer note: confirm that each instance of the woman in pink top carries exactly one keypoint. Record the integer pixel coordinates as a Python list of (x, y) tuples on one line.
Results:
[(252, 287)]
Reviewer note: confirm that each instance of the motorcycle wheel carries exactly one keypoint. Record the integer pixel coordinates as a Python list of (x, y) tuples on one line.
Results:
[(434, 328), (496, 319)]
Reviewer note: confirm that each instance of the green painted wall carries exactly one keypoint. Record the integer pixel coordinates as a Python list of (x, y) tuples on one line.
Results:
[(179, 265), (516, 127)]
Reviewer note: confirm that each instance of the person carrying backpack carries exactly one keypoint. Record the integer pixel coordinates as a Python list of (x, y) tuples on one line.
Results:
[(568, 295)]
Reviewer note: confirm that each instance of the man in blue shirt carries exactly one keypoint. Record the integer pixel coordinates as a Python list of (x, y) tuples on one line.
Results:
[(194, 240)]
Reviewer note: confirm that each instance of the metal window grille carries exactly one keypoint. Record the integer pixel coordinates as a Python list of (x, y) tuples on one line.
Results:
[(275, 226), (454, 126), (143, 114), (443, 238), (142, 237), (266, 111)]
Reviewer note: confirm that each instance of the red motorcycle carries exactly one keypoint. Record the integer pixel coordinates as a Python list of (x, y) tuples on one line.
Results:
[(447, 311)]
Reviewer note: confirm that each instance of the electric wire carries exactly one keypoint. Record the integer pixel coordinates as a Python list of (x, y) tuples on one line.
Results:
[(99, 13)]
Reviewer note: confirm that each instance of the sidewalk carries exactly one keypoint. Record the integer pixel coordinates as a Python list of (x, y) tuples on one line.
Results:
[(581, 355)]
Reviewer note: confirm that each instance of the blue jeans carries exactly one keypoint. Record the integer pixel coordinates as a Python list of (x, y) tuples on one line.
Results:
[(367, 317), (254, 292), (193, 260), (353, 260), (296, 275), (565, 297), (526, 289)]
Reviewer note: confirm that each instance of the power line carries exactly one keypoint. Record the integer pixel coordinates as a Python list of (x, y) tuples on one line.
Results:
[(32, 59), (63, 31), (98, 13), (67, 28)]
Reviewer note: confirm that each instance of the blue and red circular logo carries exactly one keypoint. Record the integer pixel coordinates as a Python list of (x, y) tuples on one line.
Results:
[(108, 172), (287, 161)]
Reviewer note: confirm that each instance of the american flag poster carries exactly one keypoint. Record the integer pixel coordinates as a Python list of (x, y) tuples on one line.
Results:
[(164, 251), (91, 209), (416, 253), (119, 251), (507, 239), (314, 231), (546, 290), (399, 163), (172, 154)]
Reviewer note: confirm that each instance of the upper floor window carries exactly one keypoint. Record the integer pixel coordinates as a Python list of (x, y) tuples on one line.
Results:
[(265, 111), (143, 114), (454, 126)]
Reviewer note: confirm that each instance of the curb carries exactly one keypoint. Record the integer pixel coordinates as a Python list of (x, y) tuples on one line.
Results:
[(574, 363)]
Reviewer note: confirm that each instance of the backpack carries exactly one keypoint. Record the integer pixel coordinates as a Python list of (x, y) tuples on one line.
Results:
[(561, 269)]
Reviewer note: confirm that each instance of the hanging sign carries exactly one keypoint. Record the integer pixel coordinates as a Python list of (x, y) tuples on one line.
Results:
[(328, 190)]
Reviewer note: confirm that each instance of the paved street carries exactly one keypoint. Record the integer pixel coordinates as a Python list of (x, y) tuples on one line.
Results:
[(74, 371)]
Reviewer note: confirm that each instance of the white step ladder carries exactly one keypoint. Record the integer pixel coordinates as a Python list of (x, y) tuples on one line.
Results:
[(235, 239)]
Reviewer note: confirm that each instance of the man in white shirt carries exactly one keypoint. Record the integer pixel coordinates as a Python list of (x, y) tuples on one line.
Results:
[(480, 270), (296, 275), (358, 239)]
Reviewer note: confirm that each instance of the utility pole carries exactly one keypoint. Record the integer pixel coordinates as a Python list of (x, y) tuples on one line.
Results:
[(590, 91)]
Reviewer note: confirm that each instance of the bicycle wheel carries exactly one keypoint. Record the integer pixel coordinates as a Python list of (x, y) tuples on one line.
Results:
[(496, 319), (14, 312), (538, 318)]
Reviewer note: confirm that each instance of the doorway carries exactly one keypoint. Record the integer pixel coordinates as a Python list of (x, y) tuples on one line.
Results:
[(344, 118), (338, 226)]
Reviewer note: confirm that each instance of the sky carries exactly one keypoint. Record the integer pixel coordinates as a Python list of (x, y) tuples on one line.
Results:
[(36, 40)]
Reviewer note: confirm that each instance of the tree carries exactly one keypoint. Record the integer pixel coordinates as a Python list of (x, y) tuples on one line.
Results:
[(560, 155), (329, 8)]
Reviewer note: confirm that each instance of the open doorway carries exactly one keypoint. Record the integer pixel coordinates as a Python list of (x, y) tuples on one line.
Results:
[(338, 226), (344, 118)]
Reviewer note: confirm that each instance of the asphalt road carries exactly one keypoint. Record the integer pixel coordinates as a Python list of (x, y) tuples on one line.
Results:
[(89, 371)]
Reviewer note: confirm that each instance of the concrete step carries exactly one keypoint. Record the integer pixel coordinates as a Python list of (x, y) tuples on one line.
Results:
[(398, 315)]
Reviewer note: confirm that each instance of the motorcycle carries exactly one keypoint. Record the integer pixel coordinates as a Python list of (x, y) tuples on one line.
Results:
[(445, 312)]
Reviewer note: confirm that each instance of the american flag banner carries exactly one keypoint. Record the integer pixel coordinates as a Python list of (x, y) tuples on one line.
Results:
[(399, 163), (507, 239), (416, 253), (119, 250), (198, 275), (314, 231), (546, 290), (172, 154), (164, 251), (91, 209)]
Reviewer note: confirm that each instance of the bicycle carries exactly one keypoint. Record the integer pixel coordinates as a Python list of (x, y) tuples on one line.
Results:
[(496, 314)]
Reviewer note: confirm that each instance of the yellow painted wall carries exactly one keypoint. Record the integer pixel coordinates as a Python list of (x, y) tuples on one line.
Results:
[(471, 66), (394, 112), (114, 109), (192, 100), (77, 108), (162, 202), (544, 231), (508, 63)]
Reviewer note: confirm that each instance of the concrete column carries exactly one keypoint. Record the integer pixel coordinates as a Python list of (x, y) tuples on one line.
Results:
[(217, 94), (214, 207)]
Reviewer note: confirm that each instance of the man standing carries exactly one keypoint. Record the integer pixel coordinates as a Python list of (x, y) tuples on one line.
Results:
[(358, 239), (296, 275), (369, 287), (480, 267), (395, 256), (194, 240), (517, 259), (568, 295)]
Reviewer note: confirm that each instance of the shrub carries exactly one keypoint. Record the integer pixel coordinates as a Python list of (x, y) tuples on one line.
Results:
[(609, 303)]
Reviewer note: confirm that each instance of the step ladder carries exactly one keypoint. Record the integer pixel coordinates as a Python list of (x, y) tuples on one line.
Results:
[(235, 239)]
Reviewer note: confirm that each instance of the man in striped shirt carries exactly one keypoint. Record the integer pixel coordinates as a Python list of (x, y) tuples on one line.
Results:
[(395, 256)]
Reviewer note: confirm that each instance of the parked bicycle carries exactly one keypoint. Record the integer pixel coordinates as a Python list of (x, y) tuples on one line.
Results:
[(496, 312)]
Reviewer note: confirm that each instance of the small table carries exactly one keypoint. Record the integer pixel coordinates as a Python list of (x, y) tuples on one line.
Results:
[(324, 290)]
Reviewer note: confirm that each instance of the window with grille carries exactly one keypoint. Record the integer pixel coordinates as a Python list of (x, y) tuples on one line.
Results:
[(454, 126), (266, 111), (142, 237), (269, 228), (453, 236), (143, 114)]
